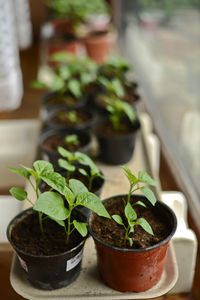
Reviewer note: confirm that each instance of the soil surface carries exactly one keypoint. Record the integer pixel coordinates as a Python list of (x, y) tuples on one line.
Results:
[(61, 119), (67, 100), (106, 129), (26, 236), (52, 142), (113, 234)]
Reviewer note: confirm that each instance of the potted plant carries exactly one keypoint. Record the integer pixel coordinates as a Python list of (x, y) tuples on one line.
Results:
[(117, 134), (132, 245), (78, 18), (49, 237), (77, 118), (67, 83), (72, 140), (79, 165)]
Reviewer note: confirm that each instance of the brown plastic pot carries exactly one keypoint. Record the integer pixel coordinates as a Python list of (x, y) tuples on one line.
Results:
[(134, 270), (99, 45)]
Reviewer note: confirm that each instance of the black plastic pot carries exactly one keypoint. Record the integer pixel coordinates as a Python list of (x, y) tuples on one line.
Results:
[(117, 149), (86, 125), (47, 107), (52, 271), (53, 155)]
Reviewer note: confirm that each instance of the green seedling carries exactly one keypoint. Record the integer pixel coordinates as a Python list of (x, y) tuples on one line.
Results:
[(113, 86), (72, 140), (70, 76), (117, 110), (91, 172), (136, 183), (71, 116), (51, 204)]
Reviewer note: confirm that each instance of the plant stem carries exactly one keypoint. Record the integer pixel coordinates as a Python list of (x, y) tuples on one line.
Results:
[(68, 232)]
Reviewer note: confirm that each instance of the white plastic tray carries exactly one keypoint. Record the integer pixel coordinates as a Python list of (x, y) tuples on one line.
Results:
[(89, 285)]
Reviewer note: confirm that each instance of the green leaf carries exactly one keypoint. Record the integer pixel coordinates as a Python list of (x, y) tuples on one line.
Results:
[(118, 87), (80, 227), (57, 84), (66, 165), (144, 177), (61, 223), (131, 177), (38, 85), (18, 193), (42, 167), (140, 203), (130, 213), (74, 87), (52, 204), (65, 153), (32, 172), (92, 202), (149, 194), (145, 225), (118, 219), (130, 241), (55, 180), (69, 196), (64, 72), (77, 187), (21, 172), (83, 171)]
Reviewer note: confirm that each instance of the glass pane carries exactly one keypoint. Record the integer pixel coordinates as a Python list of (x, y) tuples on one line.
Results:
[(162, 40)]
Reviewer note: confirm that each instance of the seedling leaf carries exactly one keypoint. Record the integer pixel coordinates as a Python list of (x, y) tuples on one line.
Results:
[(92, 202), (144, 177), (80, 227), (130, 213), (18, 193), (21, 172), (149, 194), (52, 204), (42, 167), (118, 219), (55, 180), (77, 187), (145, 225)]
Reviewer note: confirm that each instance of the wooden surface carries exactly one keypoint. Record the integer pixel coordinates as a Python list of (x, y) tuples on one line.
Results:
[(30, 109)]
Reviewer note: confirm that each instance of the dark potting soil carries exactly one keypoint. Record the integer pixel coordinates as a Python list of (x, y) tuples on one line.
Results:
[(113, 234), (107, 129), (52, 142), (62, 100), (26, 236), (62, 120)]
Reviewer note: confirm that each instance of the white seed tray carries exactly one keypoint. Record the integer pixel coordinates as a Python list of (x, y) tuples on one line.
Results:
[(89, 285)]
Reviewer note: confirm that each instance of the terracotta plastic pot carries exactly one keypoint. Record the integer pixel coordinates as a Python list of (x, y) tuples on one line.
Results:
[(52, 271), (117, 149), (134, 270), (99, 46), (52, 155)]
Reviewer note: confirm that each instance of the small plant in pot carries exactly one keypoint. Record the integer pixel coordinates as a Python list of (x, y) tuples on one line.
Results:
[(68, 81), (78, 18), (72, 140), (116, 135), (79, 165), (132, 245), (49, 237), (77, 118)]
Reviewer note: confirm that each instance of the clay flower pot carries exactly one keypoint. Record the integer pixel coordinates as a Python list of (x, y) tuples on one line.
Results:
[(134, 270), (99, 45), (48, 272)]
